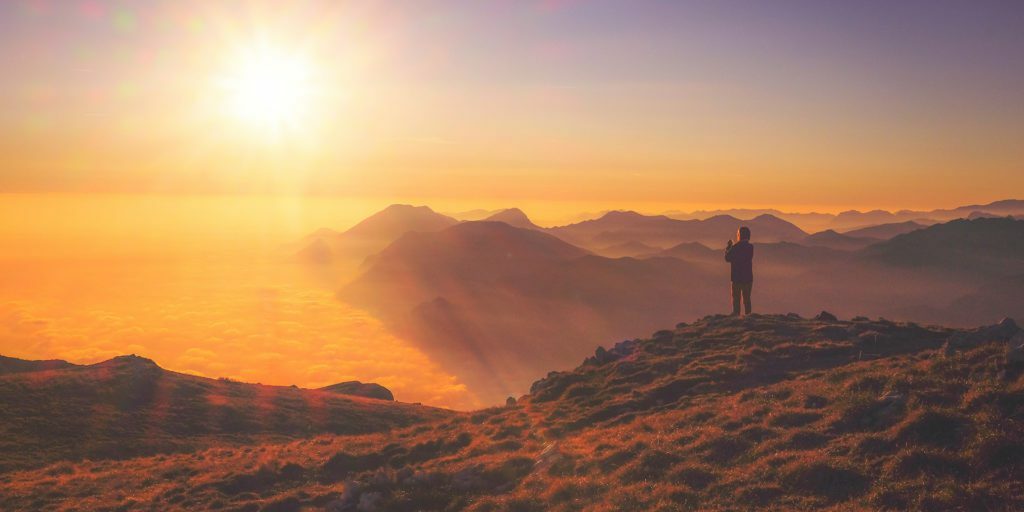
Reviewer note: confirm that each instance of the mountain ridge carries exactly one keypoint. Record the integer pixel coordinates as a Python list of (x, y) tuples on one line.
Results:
[(129, 406), (724, 413)]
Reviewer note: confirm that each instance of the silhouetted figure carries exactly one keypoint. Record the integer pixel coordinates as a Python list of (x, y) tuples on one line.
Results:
[(741, 256)]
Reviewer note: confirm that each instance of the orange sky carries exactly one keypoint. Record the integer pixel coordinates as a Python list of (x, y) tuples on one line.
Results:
[(693, 103), (156, 156)]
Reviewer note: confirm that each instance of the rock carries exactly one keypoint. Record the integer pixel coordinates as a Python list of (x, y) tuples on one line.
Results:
[(469, 479), (510, 401), (1015, 355), (548, 456), (889, 407), (831, 333), (369, 502), (382, 478), (1009, 326), (349, 497), (364, 389), (1015, 349), (868, 339), (825, 316), (960, 340), (624, 348), (505, 487), (948, 349), (663, 335), (602, 356), (404, 474), (893, 398), (815, 402)]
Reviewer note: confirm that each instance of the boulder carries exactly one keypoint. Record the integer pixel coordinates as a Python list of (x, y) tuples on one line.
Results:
[(364, 389), (1015, 349), (369, 502), (825, 316), (1003, 331)]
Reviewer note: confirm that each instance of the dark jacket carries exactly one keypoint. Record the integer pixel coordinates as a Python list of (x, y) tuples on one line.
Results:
[(741, 256)]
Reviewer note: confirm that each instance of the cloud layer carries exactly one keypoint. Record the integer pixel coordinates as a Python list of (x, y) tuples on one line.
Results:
[(254, 323)]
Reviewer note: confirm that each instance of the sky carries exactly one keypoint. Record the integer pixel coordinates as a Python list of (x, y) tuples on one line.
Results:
[(797, 104), (159, 158)]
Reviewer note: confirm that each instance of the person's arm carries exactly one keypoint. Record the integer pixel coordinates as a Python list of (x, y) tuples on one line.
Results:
[(728, 251)]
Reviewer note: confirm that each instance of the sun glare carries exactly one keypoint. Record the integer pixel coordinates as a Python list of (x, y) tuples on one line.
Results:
[(269, 88)]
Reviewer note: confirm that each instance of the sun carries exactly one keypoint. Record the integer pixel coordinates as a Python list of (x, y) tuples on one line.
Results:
[(269, 88)]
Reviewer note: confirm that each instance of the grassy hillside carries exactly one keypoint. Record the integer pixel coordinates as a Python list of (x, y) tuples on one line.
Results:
[(128, 406), (767, 412)]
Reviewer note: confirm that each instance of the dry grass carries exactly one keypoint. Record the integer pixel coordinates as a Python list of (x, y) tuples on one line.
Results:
[(769, 412)]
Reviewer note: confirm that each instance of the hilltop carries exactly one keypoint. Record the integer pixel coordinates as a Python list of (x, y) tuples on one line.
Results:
[(128, 406), (768, 412)]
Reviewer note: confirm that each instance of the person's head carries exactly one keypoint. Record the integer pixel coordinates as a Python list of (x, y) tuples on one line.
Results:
[(743, 233)]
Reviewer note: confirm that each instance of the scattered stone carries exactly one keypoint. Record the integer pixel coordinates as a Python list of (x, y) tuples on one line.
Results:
[(369, 502), (469, 479), (868, 339), (349, 497), (548, 456), (893, 398), (961, 340), (831, 333), (403, 475), (1015, 349), (815, 402), (364, 389), (825, 316)]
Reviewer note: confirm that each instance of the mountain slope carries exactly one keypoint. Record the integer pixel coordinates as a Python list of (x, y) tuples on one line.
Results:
[(9, 365), (398, 219), (627, 226), (128, 406), (497, 305), (989, 247), (886, 231), (370, 235), (833, 240), (628, 250), (513, 217), (762, 413), (854, 219)]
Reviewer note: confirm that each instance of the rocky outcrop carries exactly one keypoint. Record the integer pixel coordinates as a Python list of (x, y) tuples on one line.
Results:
[(364, 389)]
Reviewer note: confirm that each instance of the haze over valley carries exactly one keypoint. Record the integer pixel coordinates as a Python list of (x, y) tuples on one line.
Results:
[(516, 256)]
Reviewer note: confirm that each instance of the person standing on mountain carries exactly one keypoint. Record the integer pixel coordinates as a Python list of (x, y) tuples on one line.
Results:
[(741, 256)]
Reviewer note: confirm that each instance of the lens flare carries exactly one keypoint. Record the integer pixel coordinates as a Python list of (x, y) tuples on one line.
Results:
[(269, 88)]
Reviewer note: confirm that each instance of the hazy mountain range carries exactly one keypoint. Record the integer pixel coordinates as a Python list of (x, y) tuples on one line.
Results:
[(497, 302), (854, 219), (772, 411)]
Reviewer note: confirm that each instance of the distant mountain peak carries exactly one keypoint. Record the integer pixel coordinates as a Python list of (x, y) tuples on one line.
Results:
[(403, 206), (398, 219), (131, 360), (726, 217), (623, 214), (513, 217)]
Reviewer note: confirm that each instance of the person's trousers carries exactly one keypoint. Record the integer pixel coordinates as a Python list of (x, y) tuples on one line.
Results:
[(741, 290)]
